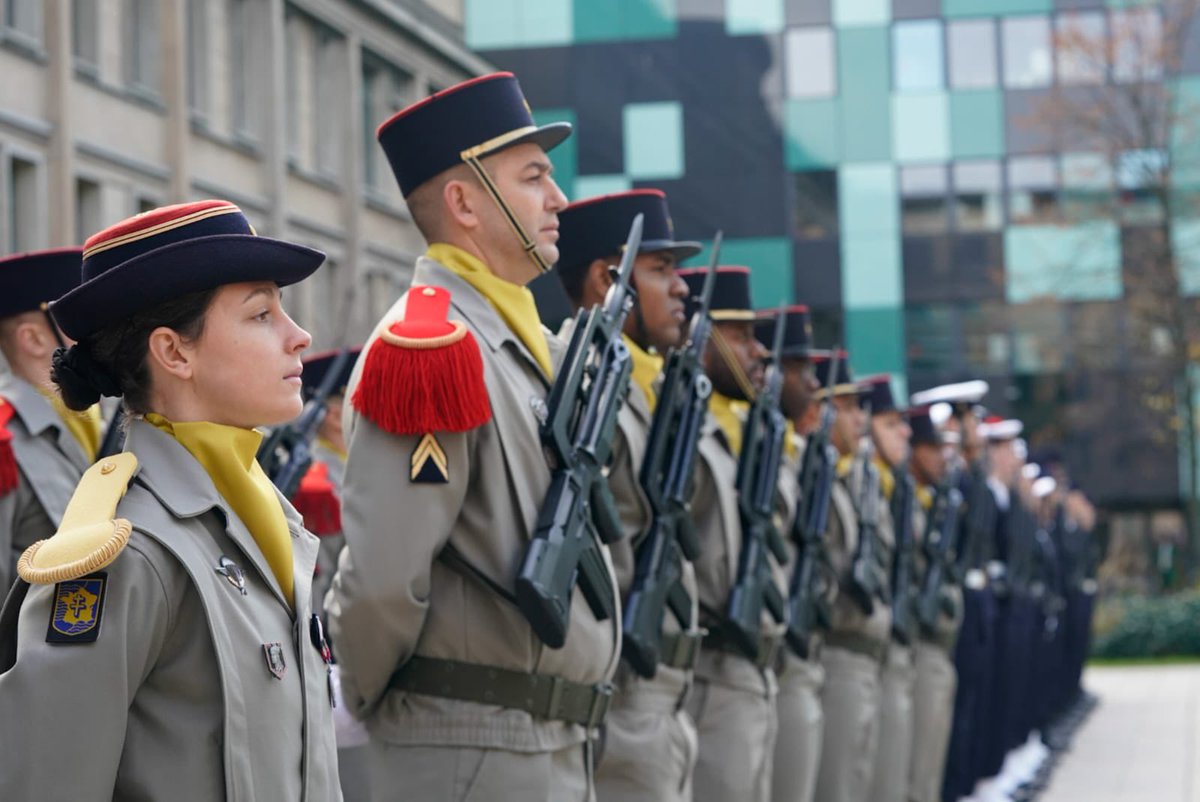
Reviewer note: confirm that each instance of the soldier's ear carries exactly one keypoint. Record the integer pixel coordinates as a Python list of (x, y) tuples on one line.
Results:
[(167, 352), (460, 203), (34, 337), (598, 280)]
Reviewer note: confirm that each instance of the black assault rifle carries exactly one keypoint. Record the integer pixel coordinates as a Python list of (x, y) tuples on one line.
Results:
[(666, 478), (808, 607), (903, 592), (757, 480), (579, 512), (286, 453), (941, 531), (868, 581)]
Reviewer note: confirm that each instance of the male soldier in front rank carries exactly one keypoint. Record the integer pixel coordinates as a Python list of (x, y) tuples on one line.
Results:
[(890, 432), (733, 701), (446, 475), (44, 447), (856, 645), (798, 745), (933, 694), (650, 741)]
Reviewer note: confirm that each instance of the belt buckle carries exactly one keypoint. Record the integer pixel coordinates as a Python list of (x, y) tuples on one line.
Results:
[(768, 649), (687, 646), (602, 693)]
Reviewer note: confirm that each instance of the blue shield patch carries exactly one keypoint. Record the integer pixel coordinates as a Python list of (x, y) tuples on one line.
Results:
[(78, 609)]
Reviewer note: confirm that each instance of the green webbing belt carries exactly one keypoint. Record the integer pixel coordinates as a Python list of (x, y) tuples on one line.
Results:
[(858, 643), (541, 695), (680, 649), (768, 646)]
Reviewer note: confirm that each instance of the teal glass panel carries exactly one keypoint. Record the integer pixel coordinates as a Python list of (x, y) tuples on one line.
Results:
[(546, 22), (770, 262), (753, 16), (875, 340), (1077, 263), (921, 128), (977, 124), (565, 156), (654, 140), (624, 19), (917, 55), (492, 24), (810, 134), (1185, 238), (589, 186), (861, 12), (871, 272), (868, 201), (1185, 145), (864, 78), (994, 8)]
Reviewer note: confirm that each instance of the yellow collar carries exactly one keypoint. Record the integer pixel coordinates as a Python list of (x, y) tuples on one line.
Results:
[(646, 368), (887, 479), (925, 497), (86, 427), (844, 465), (227, 455), (790, 449), (723, 409), (513, 302)]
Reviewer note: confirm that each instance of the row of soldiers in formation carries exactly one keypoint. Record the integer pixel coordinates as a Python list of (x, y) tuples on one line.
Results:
[(674, 553)]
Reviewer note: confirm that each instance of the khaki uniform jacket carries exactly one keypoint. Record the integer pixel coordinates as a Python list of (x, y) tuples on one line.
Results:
[(393, 597), (719, 527), (331, 544), (948, 625), (50, 462), (842, 541), (175, 699)]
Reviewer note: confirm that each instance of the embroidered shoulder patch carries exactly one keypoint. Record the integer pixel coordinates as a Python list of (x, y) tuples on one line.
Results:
[(78, 609), (429, 464)]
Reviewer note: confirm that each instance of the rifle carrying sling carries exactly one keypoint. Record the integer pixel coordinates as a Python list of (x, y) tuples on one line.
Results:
[(768, 646), (543, 696), (858, 643)]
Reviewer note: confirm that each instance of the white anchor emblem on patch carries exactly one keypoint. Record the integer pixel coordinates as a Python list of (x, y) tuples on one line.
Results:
[(232, 572)]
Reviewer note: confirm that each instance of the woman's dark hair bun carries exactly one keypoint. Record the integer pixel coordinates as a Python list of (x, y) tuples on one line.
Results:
[(80, 378)]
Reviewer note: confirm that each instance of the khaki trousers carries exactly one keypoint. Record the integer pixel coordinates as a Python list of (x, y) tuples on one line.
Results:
[(736, 727), (851, 700), (933, 716), (890, 783), (798, 747), (650, 742), (465, 774)]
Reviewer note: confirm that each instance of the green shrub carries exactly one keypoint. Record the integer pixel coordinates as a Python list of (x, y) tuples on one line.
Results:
[(1148, 627)]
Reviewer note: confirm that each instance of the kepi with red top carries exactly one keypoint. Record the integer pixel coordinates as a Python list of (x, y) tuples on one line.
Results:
[(797, 330), (877, 391), (730, 296), (843, 380), (29, 281), (596, 228), (169, 252), (424, 373)]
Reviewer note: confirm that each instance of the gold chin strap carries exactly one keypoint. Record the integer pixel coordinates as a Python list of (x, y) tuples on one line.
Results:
[(731, 360), (471, 158)]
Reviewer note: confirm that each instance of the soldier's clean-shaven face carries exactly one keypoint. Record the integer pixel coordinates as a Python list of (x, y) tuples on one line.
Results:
[(891, 433), (748, 353), (849, 425), (799, 386), (661, 295)]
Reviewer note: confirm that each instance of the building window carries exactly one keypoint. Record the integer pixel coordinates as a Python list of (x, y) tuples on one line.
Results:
[(84, 33), (1087, 181), (977, 196), (88, 209), (972, 47), (141, 50), (197, 56), (923, 200), (1032, 190), (243, 28), (815, 211), (24, 18), (386, 89), (811, 63), (1080, 48), (917, 55), (1137, 45), (1027, 60), (1140, 174), (329, 81), (24, 206)]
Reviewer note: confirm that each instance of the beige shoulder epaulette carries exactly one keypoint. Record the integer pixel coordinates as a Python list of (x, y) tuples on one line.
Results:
[(89, 537)]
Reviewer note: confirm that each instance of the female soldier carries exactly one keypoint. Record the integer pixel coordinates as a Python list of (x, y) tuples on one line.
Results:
[(161, 644)]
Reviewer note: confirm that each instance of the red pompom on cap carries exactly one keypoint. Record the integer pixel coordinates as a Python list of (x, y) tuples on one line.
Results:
[(424, 373), (8, 460)]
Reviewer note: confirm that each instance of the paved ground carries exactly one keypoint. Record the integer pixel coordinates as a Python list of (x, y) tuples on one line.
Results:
[(1142, 744)]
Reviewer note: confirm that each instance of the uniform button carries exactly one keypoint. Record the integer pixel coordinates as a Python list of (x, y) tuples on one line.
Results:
[(107, 468)]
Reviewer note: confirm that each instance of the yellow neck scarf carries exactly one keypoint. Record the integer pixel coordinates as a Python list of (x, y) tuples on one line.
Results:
[(887, 479), (845, 464), (790, 449), (513, 302), (227, 454), (328, 444), (722, 408), (925, 497), (646, 368), (86, 427)]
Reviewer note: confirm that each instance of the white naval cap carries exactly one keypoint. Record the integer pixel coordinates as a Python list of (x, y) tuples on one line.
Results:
[(1031, 470), (998, 430), (1044, 486), (971, 392), (940, 412)]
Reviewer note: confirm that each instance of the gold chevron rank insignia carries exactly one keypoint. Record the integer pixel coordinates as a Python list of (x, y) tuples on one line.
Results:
[(429, 462)]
